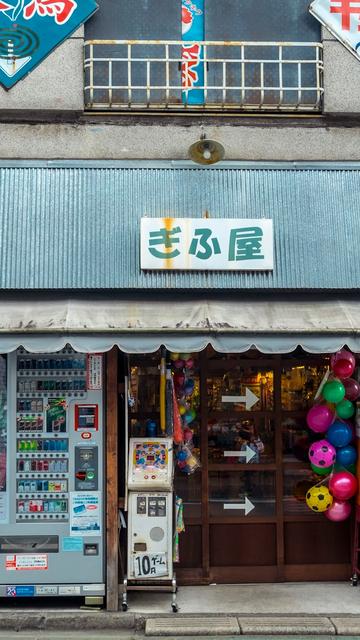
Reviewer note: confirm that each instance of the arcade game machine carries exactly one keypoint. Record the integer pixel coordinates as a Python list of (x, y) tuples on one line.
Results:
[(51, 511), (150, 518)]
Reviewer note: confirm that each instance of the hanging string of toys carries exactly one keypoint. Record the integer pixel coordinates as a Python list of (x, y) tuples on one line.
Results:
[(184, 411)]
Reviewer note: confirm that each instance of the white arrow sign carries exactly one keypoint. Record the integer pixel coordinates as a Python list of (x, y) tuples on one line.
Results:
[(249, 399), (246, 453), (247, 506)]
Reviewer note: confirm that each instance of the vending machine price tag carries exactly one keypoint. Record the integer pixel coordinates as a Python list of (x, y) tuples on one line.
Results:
[(150, 565)]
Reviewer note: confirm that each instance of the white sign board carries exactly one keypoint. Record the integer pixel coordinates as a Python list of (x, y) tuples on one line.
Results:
[(341, 18), (202, 244), (150, 565)]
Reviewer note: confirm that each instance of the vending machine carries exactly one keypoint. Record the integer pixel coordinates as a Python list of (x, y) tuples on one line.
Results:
[(51, 513), (150, 516)]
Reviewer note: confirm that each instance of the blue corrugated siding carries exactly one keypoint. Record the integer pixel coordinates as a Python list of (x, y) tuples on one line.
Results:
[(66, 227)]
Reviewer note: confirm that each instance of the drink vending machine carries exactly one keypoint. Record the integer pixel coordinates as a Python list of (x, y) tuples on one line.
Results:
[(150, 517), (51, 512)]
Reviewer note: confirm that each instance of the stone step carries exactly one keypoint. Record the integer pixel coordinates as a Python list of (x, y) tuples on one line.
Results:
[(286, 625), (192, 626)]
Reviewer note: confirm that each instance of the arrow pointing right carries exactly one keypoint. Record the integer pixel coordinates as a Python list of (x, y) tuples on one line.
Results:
[(247, 453), (247, 506), (249, 399)]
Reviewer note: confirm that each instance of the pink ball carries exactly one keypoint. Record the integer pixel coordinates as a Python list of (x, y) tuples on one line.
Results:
[(319, 418), (342, 354), (179, 364), (343, 368), (352, 389), (322, 454), (343, 485), (188, 435), (338, 511), (189, 363)]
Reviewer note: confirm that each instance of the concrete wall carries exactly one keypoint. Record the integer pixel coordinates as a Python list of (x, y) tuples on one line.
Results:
[(285, 140), (55, 85), (341, 78)]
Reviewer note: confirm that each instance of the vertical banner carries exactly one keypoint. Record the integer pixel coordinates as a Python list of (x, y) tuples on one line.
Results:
[(192, 54)]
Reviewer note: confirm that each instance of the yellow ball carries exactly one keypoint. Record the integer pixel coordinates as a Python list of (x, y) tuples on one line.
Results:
[(182, 410), (319, 499), (174, 356)]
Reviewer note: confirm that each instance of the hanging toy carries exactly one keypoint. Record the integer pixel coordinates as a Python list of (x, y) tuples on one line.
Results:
[(177, 424), (319, 499)]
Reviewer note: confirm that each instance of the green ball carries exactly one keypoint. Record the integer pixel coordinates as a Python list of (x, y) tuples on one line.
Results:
[(320, 471), (334, 391), (345, 409)]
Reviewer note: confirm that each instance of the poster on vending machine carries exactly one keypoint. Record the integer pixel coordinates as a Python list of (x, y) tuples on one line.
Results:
[(85, 513)]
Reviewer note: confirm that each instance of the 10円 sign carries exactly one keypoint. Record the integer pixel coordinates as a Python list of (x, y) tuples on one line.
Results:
[(342, 19), (31, 29), (198, 244)]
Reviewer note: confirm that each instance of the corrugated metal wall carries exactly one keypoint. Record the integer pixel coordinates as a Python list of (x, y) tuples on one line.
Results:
[(78, 227)]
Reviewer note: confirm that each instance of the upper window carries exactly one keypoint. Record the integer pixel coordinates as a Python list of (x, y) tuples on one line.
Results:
[(255, 20)]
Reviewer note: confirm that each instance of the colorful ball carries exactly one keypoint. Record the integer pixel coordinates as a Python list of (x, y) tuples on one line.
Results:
[(345, 409), (179, 364), (319, 499), (352, 389), (174, 356), (188, 435), (334, 391), (346, 456), (339, 434), (189, 416), (321, 471), (343, 368), (343, 485), (342, 354), (189, 363), (319, 418), (322, 454), (338, 511)]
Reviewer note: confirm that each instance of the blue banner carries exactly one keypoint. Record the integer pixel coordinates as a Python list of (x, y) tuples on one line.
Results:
[(31, 29), (192, 66)]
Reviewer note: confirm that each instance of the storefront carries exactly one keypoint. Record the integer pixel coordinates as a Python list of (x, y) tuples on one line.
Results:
[(264, 334)]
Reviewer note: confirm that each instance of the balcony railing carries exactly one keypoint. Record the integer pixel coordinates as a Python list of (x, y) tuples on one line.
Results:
[(238, 76)]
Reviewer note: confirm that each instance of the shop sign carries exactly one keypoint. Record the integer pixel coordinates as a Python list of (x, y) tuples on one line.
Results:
[(31, 29), (222, 244), (341, 18)]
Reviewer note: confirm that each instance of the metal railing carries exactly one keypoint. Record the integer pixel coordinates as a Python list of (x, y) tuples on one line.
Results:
[(238, 76)]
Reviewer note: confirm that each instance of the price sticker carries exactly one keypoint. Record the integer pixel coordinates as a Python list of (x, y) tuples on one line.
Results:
[(150, 565)]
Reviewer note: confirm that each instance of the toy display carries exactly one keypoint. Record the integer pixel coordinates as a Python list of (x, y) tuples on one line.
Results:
[(332, 458)]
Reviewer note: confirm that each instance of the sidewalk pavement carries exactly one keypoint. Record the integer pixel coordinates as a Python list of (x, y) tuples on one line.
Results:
[(292, 609)]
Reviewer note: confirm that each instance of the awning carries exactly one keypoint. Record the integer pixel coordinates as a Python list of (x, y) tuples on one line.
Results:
[(230, 323)]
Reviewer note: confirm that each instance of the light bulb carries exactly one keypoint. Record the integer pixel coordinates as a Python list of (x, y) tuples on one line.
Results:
[(207, 153)]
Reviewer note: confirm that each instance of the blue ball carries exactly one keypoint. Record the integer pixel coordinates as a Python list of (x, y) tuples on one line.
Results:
[(339, 434), (346, 455)]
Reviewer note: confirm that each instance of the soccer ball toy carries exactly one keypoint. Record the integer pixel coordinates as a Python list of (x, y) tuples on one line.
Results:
[(322, 454), (319, 499)]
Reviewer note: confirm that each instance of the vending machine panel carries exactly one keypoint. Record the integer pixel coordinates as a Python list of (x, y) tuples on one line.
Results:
[(51, 540)]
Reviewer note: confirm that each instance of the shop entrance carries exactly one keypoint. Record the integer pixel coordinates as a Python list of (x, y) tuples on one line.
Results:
[(244, 510)]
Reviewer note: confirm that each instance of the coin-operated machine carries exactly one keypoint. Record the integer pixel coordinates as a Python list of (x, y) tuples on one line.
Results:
[(51, 512), (150, 517)]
